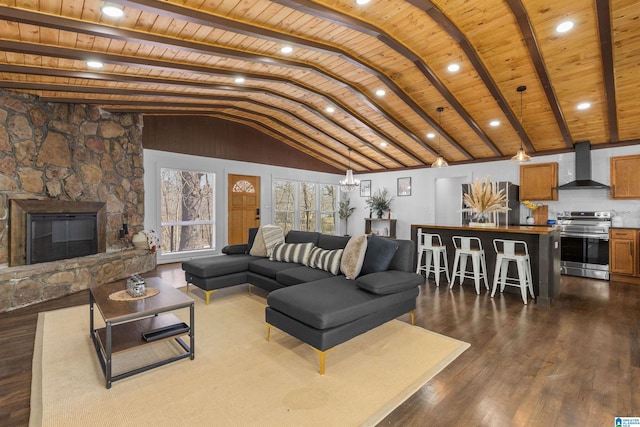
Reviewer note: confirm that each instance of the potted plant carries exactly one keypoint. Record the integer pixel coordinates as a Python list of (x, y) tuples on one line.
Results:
[(380, 201), (345, 211)]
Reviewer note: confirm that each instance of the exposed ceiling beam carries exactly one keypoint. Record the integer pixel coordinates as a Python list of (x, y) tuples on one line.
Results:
[(332, 15), (137, 92), (531, 41), (99, 30), (80, 55), (171, 83), (603, 10)]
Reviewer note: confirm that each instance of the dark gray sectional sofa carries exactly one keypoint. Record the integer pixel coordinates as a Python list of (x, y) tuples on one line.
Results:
[(311, 304)]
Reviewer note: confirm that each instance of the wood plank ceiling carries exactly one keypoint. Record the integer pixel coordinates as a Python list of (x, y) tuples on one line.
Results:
[(186, 56)]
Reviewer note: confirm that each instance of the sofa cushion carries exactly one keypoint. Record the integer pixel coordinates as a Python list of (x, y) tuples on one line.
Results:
[(303, 274), (353, 256), (269, 268), (292, 252), (389, 282), (327, 241), (296, 236), (380, 252), (220, 265), (332, 302), (324, 259)]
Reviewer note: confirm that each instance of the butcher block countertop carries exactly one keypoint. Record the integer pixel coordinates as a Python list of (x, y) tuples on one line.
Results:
[(519, 229)]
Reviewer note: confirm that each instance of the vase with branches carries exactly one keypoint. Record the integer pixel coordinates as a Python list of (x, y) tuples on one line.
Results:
[(345, 210), (380, 201), (483, 199)]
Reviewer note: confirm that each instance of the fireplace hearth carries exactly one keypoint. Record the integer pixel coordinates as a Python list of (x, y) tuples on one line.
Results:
[(51, 230)]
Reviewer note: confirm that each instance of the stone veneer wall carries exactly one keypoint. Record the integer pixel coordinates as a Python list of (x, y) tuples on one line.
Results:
[(70, 152)]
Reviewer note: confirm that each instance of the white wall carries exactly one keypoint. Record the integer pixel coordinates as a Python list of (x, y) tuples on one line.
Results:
[(419, 208), (155, 160)]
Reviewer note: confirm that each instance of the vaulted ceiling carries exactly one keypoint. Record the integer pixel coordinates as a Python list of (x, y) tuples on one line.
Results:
[(190, 56)]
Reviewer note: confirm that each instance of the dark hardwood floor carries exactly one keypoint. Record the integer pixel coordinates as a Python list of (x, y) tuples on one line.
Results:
[(576, 363)]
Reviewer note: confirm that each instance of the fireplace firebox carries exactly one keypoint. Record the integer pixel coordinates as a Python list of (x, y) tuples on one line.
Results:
[(51, 237), (51, 230)]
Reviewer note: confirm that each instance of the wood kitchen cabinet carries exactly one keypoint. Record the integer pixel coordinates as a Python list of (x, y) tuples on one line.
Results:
[(624, 262), (625, 177), (539, 181)]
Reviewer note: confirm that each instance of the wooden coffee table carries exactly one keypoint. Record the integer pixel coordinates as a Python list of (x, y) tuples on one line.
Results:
[(129, 322)]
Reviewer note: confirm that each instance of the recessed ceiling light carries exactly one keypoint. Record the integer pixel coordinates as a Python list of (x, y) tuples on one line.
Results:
[(330, 109), (584, 105), (239, 80), (95, 64), (383, 144), (361, 2), (494, 123), (112, 11), (286, 50), (564, 26), (431, 135), (453, 68), (381, 92)]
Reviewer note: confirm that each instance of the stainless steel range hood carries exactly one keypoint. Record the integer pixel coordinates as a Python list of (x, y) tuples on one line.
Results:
[(583, 170)]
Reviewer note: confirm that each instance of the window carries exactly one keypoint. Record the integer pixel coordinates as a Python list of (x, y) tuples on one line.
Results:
[(305, 206), (285, 196), (328, 209), (187, 216)]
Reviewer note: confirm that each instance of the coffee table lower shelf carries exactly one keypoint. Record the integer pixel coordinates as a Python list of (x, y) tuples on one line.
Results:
[(121, 337)]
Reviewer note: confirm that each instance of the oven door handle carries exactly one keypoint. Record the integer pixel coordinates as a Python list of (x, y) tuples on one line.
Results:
[(588, 236)]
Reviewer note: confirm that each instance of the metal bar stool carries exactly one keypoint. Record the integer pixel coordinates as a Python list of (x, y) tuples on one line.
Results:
[(507, 251), (469, 247), (430, 245)]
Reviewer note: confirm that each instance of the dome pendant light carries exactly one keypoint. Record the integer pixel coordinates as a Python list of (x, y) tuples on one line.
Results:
[(349, 183), (521, 156), (440, 161)]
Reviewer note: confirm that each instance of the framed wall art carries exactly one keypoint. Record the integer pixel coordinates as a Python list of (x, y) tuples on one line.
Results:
[(404, 186), (365, 188)]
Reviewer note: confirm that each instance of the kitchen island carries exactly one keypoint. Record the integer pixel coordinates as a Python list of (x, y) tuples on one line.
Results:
[(543, 243)]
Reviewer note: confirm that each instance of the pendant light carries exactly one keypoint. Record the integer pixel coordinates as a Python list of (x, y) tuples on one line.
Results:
[(349, 183), (521, 156), (440, 161)]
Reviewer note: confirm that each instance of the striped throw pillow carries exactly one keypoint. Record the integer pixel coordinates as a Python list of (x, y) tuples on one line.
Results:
[(325, 259), (292, 252)]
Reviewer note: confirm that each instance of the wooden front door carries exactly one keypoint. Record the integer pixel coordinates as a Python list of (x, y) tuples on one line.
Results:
[(244, 206)]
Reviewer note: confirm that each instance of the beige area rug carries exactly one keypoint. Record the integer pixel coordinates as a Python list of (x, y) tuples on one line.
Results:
[(237, 377)]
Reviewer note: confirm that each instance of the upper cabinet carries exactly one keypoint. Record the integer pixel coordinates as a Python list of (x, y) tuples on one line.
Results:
[(539, 181), (625, 177)]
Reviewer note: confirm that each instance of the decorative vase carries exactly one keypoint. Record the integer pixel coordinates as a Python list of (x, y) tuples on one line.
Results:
[(379, 213), (139, 241), (481, 219)]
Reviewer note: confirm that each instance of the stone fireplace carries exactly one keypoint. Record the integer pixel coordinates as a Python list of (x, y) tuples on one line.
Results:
[(68, 157)]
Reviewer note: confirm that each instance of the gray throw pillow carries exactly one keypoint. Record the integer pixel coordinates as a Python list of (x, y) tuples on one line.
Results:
[(380, 252)]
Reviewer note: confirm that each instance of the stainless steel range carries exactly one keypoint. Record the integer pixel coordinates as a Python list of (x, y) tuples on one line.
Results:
[(584, 241)]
